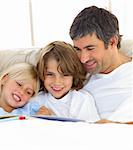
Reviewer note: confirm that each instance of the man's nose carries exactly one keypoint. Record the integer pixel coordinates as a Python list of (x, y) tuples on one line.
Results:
[(84, 57)]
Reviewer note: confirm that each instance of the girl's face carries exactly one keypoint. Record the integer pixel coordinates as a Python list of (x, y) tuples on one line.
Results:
[(56, 83), (16, 93)]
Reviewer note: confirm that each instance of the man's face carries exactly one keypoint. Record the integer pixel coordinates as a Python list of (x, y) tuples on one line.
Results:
[(93, 54)]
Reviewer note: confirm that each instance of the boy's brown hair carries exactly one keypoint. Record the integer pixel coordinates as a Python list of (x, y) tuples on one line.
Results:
[(68, 62)]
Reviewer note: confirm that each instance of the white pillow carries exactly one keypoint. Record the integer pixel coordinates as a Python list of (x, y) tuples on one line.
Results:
[(127, 47), (9, 57)]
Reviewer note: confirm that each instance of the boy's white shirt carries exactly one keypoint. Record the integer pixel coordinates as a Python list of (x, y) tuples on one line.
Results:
[(76, 104), (113, 93)]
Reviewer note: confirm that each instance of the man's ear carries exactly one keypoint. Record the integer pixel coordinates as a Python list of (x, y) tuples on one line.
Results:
[(4, 78), (114, 41)]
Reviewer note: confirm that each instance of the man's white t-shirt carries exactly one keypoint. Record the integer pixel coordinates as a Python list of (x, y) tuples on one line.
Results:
[(111, 90), (124, 113)]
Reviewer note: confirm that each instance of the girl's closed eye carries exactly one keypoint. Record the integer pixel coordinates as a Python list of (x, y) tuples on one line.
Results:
[(30, 92), (19, 83)]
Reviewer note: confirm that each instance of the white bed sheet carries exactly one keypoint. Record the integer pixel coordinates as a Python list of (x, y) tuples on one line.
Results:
[(39, 134)]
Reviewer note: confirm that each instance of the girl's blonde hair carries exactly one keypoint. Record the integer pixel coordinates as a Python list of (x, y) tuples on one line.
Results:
[(68, 62), (23, 72)]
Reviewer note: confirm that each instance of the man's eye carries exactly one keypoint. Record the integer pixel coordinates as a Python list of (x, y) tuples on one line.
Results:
[(90, 48), (77, 49)]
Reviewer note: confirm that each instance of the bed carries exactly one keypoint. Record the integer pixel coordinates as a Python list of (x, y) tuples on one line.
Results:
[(41, 134)]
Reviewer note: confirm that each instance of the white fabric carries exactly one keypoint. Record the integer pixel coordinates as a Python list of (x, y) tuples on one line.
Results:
[(41, 134), (76, 104), (127, 46), (10, 57), (111, 90), (16, 111), (124, 113)]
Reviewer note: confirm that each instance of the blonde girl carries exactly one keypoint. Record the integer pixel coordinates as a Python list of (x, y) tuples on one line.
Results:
[(18, 83)]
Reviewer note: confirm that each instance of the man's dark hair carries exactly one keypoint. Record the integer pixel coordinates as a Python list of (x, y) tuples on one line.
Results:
[(96, 20)]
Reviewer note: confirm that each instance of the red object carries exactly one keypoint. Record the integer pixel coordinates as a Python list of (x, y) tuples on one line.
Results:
[(22, 117)]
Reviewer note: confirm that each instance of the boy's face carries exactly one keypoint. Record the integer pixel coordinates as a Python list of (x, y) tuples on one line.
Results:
[(56, 83), (16, 93), (93, 54)]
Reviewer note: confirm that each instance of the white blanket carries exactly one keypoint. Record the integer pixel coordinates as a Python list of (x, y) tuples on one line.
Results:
[(39, 134)]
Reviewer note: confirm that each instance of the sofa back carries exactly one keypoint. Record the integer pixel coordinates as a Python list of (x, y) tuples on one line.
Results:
[(9, 57)]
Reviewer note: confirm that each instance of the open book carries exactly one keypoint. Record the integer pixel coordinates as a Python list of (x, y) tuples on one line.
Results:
[(12, 117), (55, 118)]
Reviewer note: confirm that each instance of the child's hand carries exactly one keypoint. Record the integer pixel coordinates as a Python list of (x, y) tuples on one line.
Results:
[(104, 121), (45, 111)]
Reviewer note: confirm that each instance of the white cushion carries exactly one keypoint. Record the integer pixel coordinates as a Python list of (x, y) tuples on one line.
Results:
[(127, 47), (9, 57)]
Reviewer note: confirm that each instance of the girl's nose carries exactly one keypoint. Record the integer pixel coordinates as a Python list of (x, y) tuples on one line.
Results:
[(22, 91)]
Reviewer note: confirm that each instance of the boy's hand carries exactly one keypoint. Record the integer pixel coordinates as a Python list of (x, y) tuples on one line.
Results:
[(45, 111)]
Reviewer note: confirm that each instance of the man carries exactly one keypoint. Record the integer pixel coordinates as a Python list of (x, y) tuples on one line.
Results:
[(95, 34)]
